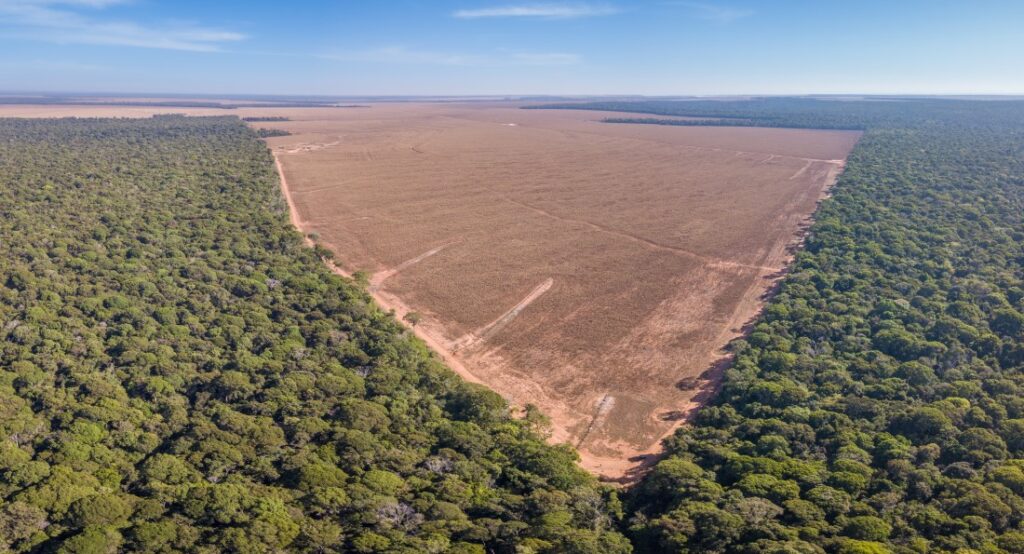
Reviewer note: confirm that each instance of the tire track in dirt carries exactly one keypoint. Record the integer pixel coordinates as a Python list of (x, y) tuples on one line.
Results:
[(319, 189), (309, 147), (293, 212), (604, 407), (715, 262), (473, 338), (801, 171), (381, 276)]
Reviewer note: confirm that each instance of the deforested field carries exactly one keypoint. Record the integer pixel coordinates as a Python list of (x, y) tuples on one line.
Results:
[(591, 269)]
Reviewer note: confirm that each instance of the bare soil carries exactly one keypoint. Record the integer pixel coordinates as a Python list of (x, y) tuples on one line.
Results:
[(594, 270)]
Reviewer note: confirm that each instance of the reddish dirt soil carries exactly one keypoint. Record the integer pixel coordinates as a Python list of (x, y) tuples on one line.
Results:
[(594, 270)]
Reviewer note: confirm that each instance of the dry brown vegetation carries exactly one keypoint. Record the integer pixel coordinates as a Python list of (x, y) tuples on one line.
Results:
[(594, 270)]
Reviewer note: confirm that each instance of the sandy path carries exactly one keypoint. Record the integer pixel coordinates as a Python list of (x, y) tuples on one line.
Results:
[(475, 337), (311, 147), (381, 276), (386, 301), (716, 262), (293, 212)]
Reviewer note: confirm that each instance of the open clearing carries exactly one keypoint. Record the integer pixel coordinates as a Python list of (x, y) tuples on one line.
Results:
[(594, 270)]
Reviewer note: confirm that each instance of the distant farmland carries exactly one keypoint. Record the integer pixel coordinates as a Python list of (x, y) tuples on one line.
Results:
[(594, 270)]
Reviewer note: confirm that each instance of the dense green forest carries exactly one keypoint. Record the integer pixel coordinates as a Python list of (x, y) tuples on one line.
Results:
[(179, 374), (181, 102), (810, 113), (878, 405), (264, 132)]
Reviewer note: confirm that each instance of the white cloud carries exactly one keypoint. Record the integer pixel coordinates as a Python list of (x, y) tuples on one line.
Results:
[(62, 22), (403, 55), (714, 12), (542, 11)]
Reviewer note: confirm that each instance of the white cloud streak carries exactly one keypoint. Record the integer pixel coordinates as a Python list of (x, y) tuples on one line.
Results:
[(63, 22), (538, 11), (714, 12)]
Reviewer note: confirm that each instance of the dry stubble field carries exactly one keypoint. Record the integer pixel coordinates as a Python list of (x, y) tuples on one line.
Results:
[(595, 270)]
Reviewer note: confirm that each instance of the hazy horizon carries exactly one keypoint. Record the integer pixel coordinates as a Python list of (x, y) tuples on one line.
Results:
[(74, 94)]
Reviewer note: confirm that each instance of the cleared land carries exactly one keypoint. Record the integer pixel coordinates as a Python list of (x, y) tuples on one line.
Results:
[(594, 270)]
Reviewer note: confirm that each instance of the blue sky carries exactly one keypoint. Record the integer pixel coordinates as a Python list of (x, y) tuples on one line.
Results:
[(446, 47)]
